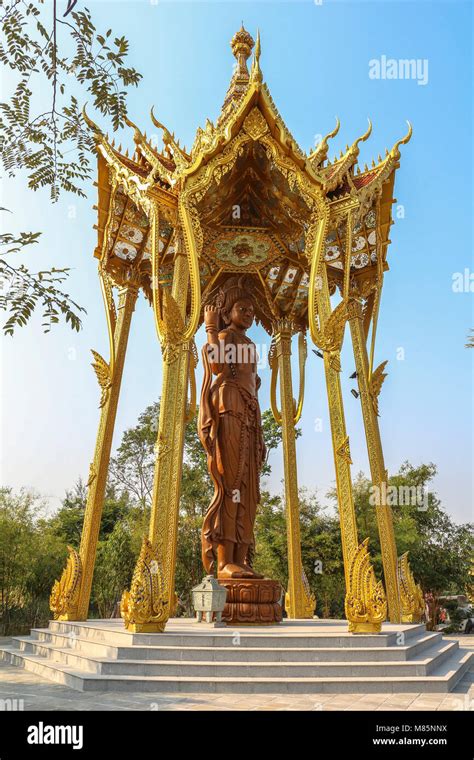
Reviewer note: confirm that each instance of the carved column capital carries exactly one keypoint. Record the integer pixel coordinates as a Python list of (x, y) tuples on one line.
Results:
[(127, 291), (354, 309), (283, 329)]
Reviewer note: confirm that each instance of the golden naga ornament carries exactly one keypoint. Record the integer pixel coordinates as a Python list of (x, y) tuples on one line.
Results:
[(103, 374), (145, 608), (65, 593), (375, 384), (309, 599), (331, 336), (365, 603), (411, 595)]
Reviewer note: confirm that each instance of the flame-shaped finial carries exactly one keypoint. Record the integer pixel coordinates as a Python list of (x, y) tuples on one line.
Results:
[(167, 138), (320, 153), (91, 124), (256, 73), (395, 153), (366, 134)]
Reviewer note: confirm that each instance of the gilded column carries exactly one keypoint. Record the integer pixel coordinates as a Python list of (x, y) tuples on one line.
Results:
[(340, 439), (299, 602), (368, 397), (365, 603), (70, 596), (163, 532), (150, 602)]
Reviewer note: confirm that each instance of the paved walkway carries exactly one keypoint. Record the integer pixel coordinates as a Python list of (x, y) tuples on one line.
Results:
[(36, 693)]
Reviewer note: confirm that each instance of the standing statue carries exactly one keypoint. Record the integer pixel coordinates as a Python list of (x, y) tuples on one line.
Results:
[(230, 429)]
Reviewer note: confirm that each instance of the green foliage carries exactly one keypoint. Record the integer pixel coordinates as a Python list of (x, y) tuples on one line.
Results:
[(33, 545), (132, 466), (31, 556), (70, 57), (114, 569), (70, 60), (22, 291), (440, 550), (273, 437)]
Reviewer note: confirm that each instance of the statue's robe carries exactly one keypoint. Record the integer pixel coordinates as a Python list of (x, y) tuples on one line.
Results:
[(230, 429)]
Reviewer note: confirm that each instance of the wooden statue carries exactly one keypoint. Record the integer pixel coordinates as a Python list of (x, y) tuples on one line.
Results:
[(230, 429)]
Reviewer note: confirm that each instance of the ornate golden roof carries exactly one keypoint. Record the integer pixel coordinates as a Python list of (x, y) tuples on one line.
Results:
[(248, 161)]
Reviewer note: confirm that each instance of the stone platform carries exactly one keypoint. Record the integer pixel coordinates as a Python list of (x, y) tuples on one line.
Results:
[(295, 657)]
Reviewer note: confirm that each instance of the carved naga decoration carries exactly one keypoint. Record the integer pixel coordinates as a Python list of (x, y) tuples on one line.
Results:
[(365, 603), (146, 605), (411, 595), (65, 592)]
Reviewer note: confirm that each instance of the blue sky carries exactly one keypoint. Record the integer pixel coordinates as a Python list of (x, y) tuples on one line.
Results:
[(315, 59)]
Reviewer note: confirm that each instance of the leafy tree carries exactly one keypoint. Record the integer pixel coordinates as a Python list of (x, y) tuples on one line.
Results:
[(113, 570), (68, 57), (440, 551), (30, 557), (320, 549), (133, 465), (69, 518), (21, 291), (271, 555)]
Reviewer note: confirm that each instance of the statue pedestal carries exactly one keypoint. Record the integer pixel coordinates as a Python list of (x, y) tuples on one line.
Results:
[(252, 601)]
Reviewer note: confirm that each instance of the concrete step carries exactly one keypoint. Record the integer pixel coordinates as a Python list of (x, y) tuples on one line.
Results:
[(443, 679), (88, 646), (296, 657), (420, 665), (306, 634)]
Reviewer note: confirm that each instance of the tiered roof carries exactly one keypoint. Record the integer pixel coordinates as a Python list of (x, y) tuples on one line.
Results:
[(268, 237)]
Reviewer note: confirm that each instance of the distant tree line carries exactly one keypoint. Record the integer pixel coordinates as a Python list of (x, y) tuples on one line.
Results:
[(33, 543)]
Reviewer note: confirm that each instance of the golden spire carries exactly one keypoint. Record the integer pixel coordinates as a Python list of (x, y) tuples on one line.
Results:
[(137, 135), (242, 44)]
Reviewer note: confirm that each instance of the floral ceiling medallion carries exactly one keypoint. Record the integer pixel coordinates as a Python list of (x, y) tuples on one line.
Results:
[(244, 251)]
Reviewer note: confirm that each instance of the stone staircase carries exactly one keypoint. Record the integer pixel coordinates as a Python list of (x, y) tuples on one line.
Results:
[(298, 656)]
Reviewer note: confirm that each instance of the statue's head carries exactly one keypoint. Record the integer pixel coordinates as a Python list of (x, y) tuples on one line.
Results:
[(236, 304)]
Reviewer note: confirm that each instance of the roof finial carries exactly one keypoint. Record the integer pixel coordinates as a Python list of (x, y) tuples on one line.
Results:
[(320, 153), (395, 153), (354, 149), (366, 134), (91, 124), (256, 73), (242, 44)]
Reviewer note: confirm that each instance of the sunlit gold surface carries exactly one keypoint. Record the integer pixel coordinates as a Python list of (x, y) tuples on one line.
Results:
[(65, 594), (412, 601), (365, 603), (383, 511), (299, 601), (145, 608), (245, 198)]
